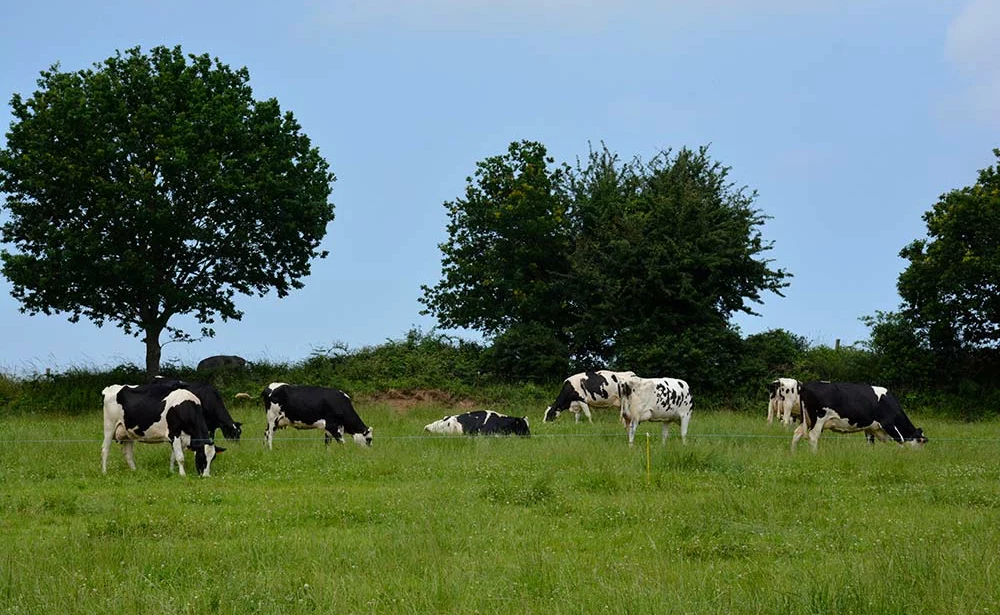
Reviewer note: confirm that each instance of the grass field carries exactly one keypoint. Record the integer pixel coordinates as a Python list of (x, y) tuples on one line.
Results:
[(567, 521)]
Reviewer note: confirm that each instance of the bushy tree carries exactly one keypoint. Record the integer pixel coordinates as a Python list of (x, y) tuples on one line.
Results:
[(639, 264), (507, 255), (527, 353), (769, 355), (902, 356), (667, 251), (155, 185), (951, 286)]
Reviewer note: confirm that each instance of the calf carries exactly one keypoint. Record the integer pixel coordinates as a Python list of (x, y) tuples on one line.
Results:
[(849, 407), (580, 391), (485, 422), (665, 400), (311, 407), (783, 401), (148, 414)]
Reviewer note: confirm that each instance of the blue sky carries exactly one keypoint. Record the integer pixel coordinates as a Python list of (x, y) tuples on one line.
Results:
[(848, 117)]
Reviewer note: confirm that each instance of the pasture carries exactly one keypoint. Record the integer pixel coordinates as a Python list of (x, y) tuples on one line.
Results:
[(564, 522)]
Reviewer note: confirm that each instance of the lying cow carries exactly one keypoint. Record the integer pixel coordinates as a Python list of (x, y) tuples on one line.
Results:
[(783, 401), (481, 422), (311, 407), (145, 414), (665, 400), (848, 407), (216, 414), (580, 391)]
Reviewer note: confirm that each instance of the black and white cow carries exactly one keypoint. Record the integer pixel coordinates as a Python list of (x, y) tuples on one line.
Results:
[(580, 391), (665, 400), (481, 422), (148, 414), (849, 407), (216, 414), (783, 402), (312, 407)]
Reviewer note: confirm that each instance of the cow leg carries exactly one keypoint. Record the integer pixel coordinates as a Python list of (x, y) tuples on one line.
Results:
[(799, 432), (631, 431), (128, 449), (685, 419), (771, 411), (815, 432), (586, 412), (665, 430), (337, 434), (269, 433), (274, 416), (177, 454), (105, 449)]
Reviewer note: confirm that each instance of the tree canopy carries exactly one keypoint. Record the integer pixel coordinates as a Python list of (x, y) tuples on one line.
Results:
[(637, 263), (951, 287), (154, 185)]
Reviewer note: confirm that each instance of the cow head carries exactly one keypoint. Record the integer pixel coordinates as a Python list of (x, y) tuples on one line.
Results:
[(917, 440), (551, 414), (203, 456), (363, 439)]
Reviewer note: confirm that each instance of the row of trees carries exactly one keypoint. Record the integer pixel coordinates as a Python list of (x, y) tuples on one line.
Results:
[(642, 264), (155, 185)]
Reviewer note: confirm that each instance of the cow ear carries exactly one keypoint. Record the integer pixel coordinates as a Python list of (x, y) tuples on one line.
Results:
[(238, 424), (219, 449)]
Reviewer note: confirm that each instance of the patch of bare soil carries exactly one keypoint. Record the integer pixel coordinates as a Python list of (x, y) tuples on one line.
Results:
[(404, 400)]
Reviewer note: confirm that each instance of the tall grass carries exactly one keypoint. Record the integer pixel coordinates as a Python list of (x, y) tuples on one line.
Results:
[(567, 521)]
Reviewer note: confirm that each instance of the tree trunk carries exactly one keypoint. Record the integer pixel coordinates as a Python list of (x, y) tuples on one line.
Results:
[(153, 352)]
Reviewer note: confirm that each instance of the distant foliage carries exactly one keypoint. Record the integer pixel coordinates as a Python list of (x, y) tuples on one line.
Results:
[(418, 361), (846, 364), (523, 370), (527, 353)]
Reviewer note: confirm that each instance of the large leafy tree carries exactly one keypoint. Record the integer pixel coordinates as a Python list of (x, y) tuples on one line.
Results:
[(643, 262), (507, 255), (951, 287), (155, 185), (670, 249)]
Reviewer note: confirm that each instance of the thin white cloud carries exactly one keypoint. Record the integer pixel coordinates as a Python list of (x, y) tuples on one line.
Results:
[(973, 47)]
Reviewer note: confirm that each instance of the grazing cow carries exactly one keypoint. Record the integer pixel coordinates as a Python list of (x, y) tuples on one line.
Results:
[(784, 400), (580, 391), (310, 407), (484, 422), (849, 407), (665, 400), (216, 414), (219, 361), (147, 414)]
